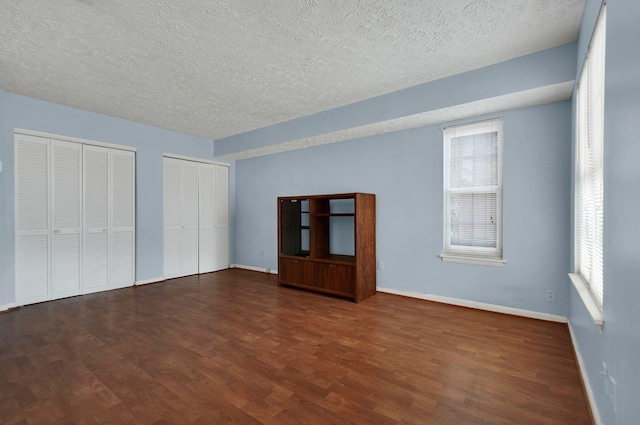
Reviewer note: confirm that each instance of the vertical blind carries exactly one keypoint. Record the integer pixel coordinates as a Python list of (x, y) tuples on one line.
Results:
[(589, 163), (473, 189)]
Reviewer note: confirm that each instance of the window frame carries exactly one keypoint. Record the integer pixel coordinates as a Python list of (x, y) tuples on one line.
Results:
[(467, 254), (592, 294)]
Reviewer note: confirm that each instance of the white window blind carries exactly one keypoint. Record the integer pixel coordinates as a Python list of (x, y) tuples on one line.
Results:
[(589, 164), (473, 190)]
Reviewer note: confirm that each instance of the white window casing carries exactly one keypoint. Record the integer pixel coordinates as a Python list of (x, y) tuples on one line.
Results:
[(473, 193), (589, 174)]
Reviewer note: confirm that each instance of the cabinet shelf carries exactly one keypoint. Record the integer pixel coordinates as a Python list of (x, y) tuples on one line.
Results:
[(333, 215), (335, 258), (319, 247)]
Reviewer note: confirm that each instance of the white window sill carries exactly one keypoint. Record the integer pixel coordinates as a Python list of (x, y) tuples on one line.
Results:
[(592, 307), (478, 261)]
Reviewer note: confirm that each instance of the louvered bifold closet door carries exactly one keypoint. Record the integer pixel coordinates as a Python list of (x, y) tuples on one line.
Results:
[(32, 219), (122, 218), (96, 267), (66, 219), (221, 218), (206, 212), (171, 217), (189, 218)]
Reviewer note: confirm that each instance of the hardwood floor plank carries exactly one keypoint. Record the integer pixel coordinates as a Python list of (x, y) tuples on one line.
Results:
[(234, 348)]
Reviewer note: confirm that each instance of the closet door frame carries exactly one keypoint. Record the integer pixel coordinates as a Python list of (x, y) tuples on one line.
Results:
[(49, 139), (215, 229)]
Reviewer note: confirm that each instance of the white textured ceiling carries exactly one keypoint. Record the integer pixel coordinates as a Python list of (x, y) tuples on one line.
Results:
[(219, 68)]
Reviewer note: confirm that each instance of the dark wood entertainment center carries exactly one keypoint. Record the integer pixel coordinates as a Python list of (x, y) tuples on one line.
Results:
[(327, 243)]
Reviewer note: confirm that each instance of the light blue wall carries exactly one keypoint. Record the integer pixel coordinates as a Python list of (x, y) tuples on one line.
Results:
[(151, 143), (618, 345), (552, 66), (404, 170)]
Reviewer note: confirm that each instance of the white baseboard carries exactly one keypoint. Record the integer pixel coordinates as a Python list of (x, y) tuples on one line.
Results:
[(145, 282), (478, 305), (253, 269), (8, 307), (585, 379)]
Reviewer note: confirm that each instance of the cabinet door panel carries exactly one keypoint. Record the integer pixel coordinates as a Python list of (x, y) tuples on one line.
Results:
[(338, 278), (296, 272)]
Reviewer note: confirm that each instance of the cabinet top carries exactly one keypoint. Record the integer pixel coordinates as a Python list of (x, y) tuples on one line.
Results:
[(329, 196)]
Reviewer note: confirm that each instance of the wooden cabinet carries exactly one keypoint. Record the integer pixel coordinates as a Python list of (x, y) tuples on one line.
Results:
[(327, 243)]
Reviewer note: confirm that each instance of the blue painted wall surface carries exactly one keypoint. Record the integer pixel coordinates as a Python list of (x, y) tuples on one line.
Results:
[(552, 66), (151, 143), (405, 171), (618, 345)]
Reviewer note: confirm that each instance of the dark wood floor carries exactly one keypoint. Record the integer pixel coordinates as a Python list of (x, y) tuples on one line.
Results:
[(232, 347)]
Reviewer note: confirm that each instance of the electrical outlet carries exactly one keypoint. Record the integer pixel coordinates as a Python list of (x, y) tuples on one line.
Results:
[(551, 296), (380, 265)]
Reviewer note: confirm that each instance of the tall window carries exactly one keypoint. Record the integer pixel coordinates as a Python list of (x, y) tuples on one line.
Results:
[(473, 193), (589, 164)]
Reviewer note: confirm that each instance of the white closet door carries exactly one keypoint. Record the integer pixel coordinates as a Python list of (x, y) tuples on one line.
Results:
[(96, 219), (32, 219), (221, 218), (206, 215), (123, 200), (66, 217), (189, 218), (171, 217)]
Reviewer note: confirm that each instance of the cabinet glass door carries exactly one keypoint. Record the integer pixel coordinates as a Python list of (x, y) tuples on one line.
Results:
[(294, 227)]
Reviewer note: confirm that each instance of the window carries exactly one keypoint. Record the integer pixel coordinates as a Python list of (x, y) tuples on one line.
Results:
[(589, 165), (473, 193)]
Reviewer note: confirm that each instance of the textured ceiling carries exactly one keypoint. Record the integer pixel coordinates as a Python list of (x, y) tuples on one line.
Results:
[(219, 68)]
